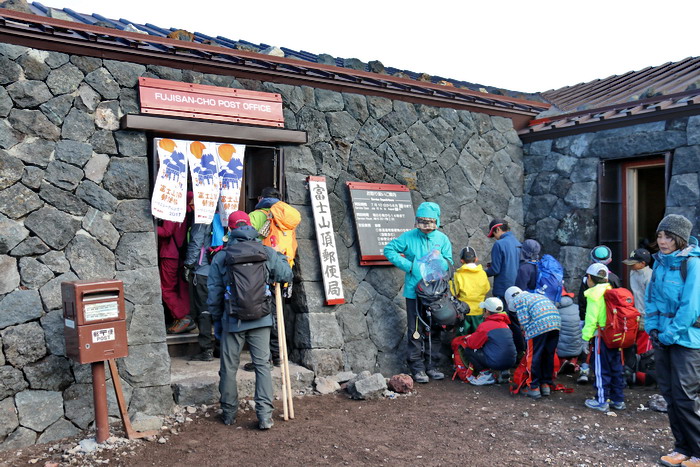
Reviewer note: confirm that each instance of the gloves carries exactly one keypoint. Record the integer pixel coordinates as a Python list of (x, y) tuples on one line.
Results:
[(188, 275), (586, 346), (287, 291), (654, 336)]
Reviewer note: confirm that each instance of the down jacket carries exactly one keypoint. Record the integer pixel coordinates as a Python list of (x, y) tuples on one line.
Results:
[(570, 343), (496, 338)]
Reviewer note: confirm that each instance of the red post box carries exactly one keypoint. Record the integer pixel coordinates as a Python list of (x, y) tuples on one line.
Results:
[(94, 320)]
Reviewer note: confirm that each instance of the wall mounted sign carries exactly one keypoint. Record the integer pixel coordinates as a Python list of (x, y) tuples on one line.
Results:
[(163, 97), (328, 253), (382, 213), (217, 175)]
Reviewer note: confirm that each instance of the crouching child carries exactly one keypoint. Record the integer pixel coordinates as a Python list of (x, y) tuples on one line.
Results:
[(490, 348)]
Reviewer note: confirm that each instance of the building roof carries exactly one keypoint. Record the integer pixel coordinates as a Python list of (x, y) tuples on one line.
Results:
[(73, 32), (654, 93)]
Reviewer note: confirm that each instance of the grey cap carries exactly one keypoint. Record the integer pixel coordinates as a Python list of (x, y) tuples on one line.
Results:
[(676, 224)]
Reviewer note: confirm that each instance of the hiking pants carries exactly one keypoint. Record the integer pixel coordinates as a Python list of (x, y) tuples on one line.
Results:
[(199, 311), (422, 354), (609, 375), (174, 288), (543, 348), (476, 358), (258, 341), (678, 376)]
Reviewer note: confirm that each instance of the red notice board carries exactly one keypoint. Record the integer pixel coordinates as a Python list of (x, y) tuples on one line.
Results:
[(382, 212)]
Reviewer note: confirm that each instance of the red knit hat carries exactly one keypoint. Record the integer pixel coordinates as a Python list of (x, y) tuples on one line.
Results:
[(238, 219)]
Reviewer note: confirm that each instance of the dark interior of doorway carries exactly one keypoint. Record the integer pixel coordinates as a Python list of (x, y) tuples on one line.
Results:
[(651, 204)]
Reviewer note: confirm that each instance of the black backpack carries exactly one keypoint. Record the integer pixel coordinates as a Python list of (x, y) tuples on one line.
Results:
[(440, 306), (247, 294)]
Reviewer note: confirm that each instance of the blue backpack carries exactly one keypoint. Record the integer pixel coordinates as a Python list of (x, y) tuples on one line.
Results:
[(550, 278)]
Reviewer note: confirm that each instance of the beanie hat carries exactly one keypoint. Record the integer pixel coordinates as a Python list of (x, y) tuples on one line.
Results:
[(676, 224), (238, 219), (510, 294), (492, 304), (601, 254)]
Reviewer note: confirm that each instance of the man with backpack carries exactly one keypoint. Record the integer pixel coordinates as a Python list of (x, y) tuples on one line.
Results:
[(405, 252), (240, 302), (276, 223)]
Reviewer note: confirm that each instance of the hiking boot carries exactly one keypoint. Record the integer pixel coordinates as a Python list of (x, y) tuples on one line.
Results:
[(618, 405), (583, 376), (228, 418), (533, 393), (266, 423), (546, 390), (692, 462), (250, 366), (421, 377), (183, 325), (203, 356), (673, 459), (435, 374), (595, 405), (484, 378)]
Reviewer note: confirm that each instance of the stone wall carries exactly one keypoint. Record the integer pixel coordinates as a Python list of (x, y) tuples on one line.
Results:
[(470, 164), (561, 183), (74, 204)]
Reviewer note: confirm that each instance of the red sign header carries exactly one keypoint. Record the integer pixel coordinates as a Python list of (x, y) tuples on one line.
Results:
[(162, 97)]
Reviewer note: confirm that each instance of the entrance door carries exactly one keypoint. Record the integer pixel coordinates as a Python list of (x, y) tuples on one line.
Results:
[(645, 201)]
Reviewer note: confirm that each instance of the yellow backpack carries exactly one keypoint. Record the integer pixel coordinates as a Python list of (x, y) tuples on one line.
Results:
[(282, 220)]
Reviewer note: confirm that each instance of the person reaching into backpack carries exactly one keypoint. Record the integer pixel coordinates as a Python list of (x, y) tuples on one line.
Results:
[(276, 223), (490, 348), (527, 271), (404, 252), (470, 285), (610, 378), (541, 324), (673, 323), (240, 281)]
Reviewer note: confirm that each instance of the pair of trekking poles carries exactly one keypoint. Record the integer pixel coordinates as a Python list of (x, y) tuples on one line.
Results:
[(287, 401)]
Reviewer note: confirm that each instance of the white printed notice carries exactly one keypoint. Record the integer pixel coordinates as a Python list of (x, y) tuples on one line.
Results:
[(202, 158), (169, 200), (102, 335), (230, 165), (97, 311), (328, 253)]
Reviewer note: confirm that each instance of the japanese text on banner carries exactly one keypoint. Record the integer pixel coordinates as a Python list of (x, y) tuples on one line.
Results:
[(328, 254), (169, 200), (230, 164), (205, 179)]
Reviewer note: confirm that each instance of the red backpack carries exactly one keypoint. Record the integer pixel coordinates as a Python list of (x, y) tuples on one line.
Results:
[(621, 320)]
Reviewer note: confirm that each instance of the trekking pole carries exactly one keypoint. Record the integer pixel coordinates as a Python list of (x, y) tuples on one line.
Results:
[(281, 338)]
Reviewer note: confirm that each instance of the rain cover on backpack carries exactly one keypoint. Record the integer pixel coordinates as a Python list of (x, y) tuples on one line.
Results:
[(550, 278)]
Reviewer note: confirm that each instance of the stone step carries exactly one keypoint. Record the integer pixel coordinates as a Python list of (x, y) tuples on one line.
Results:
[(196, 383), (180, 345)]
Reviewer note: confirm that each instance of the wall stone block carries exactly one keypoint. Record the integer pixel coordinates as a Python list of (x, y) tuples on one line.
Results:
[(127, 178), (13, 233), (52, 373), (11, 382), (23, 344), (64, 80), (34, 274), (89, 259), (62, 199)]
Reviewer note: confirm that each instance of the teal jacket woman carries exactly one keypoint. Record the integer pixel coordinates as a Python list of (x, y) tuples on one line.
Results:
[(673, 320), (414, 245), (673, 304)]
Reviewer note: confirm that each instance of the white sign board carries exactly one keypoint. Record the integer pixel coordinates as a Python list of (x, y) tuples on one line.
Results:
[(328, 253)]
